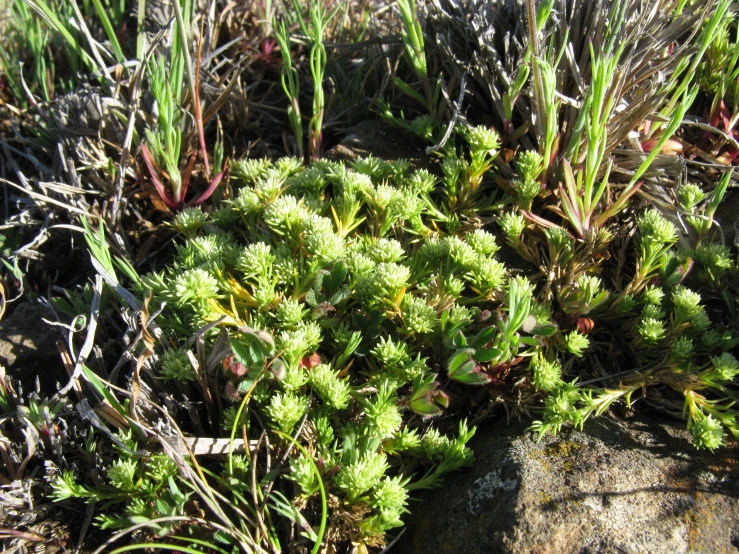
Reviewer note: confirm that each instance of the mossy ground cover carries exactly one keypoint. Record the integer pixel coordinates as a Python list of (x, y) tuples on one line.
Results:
[(339, 328)]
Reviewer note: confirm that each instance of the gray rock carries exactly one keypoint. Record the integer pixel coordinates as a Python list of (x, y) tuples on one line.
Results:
[(28, 347), (622, 486)]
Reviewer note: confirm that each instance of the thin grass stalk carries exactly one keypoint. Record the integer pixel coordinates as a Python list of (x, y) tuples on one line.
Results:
[(180, 53), (26, 34), (237, 495), (604, 88), (198, 111), (184, 47), (257, 496), (199, 542), (200, 484), (101, 65), (290, 84), (317, 68), (266, 16), (141, 30), (634, 184), (109, 31), (535, 70), (158, 546), (707, 36), (220, 497), (728, 83), (240, 411), (415, 50), (547, 73), (413, 38), (317, 59), (144, 525), (322, 490), (676, 120)]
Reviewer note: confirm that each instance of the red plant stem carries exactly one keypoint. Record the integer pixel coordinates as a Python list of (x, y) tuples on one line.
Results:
[(198, 112)]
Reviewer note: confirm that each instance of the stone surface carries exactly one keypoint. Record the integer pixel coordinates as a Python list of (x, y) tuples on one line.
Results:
[(28, 347), (622, 486)]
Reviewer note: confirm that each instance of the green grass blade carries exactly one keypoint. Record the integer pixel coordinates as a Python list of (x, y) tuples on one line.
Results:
[(109, 31), (146, 545), (98, 385), (140, 30), (43, 9)]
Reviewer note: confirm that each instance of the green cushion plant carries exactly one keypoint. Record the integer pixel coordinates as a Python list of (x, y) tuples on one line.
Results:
[(355, 310)]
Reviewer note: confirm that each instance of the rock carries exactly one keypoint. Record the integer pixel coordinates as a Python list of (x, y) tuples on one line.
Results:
[(28, 347), (381, 140), (622, 486)]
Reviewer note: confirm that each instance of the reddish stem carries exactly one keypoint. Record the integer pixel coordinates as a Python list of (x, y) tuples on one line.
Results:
[(198, 112)]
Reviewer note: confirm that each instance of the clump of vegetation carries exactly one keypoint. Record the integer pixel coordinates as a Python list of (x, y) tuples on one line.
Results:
[(320, 341), (336, 304), (341, 308), (44, 55)]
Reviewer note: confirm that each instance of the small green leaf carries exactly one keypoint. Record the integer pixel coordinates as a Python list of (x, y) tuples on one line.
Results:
[(375, 318), (247, 355), (674, 272), (459, 340), (277, 369), (266, 341), (464, 369), (338, 274), (602, 297), (318, 285), (458, 359), (360, 321), (474, 378), (339, 296), (483, 337), (262, 338), (427, 399), (531, 341), (487, 355), (310, 298), (63, 306), (407, 89), (545, 330)]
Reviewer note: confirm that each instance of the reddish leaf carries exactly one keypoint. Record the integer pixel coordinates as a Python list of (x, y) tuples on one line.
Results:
[(539, 220), (209, 191), (155, 178), (186, 175)]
